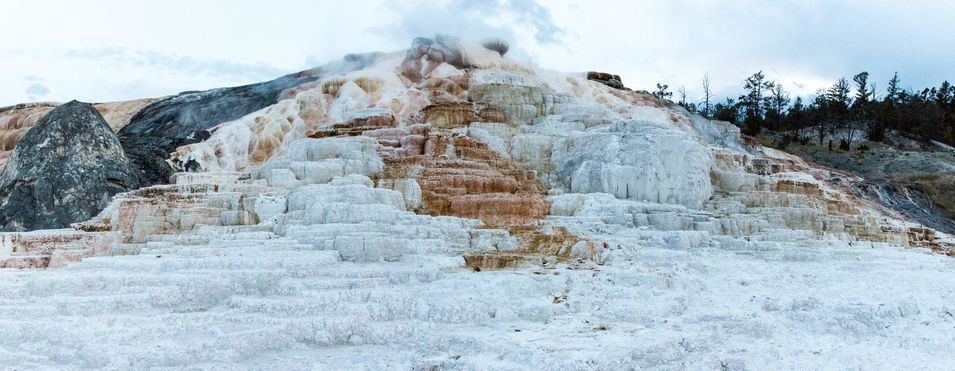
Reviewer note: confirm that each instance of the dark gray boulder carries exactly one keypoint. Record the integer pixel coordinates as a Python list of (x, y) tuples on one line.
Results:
[(610, 80), (64, 170)]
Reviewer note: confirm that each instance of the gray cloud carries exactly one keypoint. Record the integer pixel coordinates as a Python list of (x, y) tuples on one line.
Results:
[(37, 91), (823, 40), (806, 44), (470, 19), (183, 64), (530, 12)]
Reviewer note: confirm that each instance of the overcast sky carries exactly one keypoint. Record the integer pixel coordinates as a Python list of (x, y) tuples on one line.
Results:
[(117, 50)]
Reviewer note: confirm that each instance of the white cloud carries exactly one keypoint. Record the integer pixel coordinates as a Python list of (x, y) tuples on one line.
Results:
[(509, 19), (807, 43), (115, 52), (36, 91), (110, 74)]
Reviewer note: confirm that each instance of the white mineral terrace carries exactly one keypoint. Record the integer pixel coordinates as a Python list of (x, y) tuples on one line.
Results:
[(372, 221), (352, 281)]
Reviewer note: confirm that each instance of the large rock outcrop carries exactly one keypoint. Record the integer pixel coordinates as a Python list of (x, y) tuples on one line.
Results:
[(189, 117), (17, 119), (193, 117), (64, 170)]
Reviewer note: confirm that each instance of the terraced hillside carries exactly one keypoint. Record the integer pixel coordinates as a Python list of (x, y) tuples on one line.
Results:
[(448, 207)]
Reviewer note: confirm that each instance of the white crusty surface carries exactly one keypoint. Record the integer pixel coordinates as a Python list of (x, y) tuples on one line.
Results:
[(251, 299)]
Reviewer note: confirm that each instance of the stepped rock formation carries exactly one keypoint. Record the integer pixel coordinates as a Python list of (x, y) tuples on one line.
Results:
[(161, 127), (65, 169), (448, 207), (185, 118)]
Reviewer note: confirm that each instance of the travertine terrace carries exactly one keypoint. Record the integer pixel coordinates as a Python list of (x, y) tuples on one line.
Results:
[(448, 207)]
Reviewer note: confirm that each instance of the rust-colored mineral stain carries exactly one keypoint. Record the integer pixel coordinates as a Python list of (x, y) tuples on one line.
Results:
[(462, 176), (356, 127), (926, 238), (477, 183), (451, 114), (797, 187), (25, 262), (493, 261)]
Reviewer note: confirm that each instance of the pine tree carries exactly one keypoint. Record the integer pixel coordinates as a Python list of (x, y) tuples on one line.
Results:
[(777, 102), (753, 102), (838, 98), (860, 111), (662, 92), (728, 111), (923, 116), (837, 103), (821, 114), (892, 92), (863, 93), (795, 117), (889, 115), (945, 100)]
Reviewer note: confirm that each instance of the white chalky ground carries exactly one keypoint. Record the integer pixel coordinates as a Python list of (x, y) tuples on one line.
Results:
[(263, 301)]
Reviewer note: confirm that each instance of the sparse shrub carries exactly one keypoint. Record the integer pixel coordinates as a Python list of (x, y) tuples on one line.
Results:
[(843, 144)]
